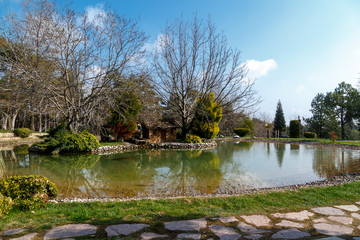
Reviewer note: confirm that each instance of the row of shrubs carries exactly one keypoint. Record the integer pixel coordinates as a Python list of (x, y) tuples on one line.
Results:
[(25, 192)]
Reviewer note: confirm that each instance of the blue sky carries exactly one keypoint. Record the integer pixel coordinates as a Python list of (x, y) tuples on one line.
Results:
[(294, 48)]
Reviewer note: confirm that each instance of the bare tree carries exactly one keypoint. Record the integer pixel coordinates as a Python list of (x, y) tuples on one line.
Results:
[(190, 61), (73, 56)]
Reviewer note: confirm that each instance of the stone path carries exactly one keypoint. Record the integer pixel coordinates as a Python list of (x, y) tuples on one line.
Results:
[(324, 223)]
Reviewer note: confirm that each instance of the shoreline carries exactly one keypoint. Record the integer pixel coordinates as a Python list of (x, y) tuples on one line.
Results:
[(266, 140), (334, 181)]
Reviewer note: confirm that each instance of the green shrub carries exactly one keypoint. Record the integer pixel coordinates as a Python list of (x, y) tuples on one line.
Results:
[(310, 135), (192, 139), (294, 129), (5, 204), (62, 140), (22, 132), (242, 132), (82, 142), (28, 192)]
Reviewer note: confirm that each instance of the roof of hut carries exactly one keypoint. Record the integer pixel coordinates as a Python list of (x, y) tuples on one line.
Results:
[(159, 125)]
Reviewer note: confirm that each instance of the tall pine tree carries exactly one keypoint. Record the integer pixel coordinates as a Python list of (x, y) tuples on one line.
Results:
[(279, 121)]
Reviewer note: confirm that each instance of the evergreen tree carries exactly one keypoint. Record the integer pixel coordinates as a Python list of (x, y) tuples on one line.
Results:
[(279, 121), (207, 117)]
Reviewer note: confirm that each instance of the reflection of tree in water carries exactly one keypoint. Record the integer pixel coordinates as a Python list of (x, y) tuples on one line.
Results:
[(280, 151), (225, 150), (71, 173), (126, 174), (328, 163), (189, 172), (2, 167)]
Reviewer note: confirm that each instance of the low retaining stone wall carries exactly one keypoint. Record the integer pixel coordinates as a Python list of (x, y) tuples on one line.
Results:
[(9, 137), (168, 145)]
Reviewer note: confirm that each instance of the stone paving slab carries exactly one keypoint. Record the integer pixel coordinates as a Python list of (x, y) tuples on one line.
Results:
[(194, 236), (290, 224), (332, 229), (254, 237), (26, 237), (331, 238), (342, 220), (150, 235), (330, 211), (186, 225), (246, 228), (14, 231), (320, 220), (70, 230), (355, 215), (257, 220), (224, 233), (226, 219), (350, 208), (124, 229), (297, 216), (290, 234)]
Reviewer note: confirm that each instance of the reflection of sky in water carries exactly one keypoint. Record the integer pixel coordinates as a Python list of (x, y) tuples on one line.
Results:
[(229, 168)]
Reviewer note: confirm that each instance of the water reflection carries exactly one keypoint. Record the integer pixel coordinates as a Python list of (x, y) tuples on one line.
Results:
[(232, 166), (280, 151), (333, 162)]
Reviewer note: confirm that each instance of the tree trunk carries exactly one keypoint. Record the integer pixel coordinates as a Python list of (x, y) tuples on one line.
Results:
[(342, 125), (4, 121), (12, 121)]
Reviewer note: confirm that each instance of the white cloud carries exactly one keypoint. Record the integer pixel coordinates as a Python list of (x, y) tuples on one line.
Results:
[(95, 14), (157, 44), (300, 88), (259, 69)]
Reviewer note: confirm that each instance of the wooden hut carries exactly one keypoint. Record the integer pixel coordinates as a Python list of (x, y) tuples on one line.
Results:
[(159, 132)]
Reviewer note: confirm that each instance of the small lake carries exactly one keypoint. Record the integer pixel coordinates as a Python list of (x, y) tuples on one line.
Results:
[(229, 168)]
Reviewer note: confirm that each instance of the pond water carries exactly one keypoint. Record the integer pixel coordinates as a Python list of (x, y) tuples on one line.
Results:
[(229, 168)]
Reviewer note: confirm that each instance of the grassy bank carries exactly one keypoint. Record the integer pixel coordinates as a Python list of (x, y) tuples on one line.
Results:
[(157, 211)]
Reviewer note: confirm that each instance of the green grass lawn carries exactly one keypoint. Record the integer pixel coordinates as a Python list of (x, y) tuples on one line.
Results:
[(156, 212), (305, 140)]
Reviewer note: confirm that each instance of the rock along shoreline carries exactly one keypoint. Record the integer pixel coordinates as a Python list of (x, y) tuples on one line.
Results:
[(166, 145)]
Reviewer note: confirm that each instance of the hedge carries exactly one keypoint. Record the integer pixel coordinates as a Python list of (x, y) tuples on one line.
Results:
[(294, 129), (242, 132), (310, 135)]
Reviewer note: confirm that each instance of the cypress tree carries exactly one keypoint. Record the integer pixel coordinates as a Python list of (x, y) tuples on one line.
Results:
[(279, 121)]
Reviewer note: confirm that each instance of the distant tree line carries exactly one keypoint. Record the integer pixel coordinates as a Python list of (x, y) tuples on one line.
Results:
[(337, 111), (58, 65)]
